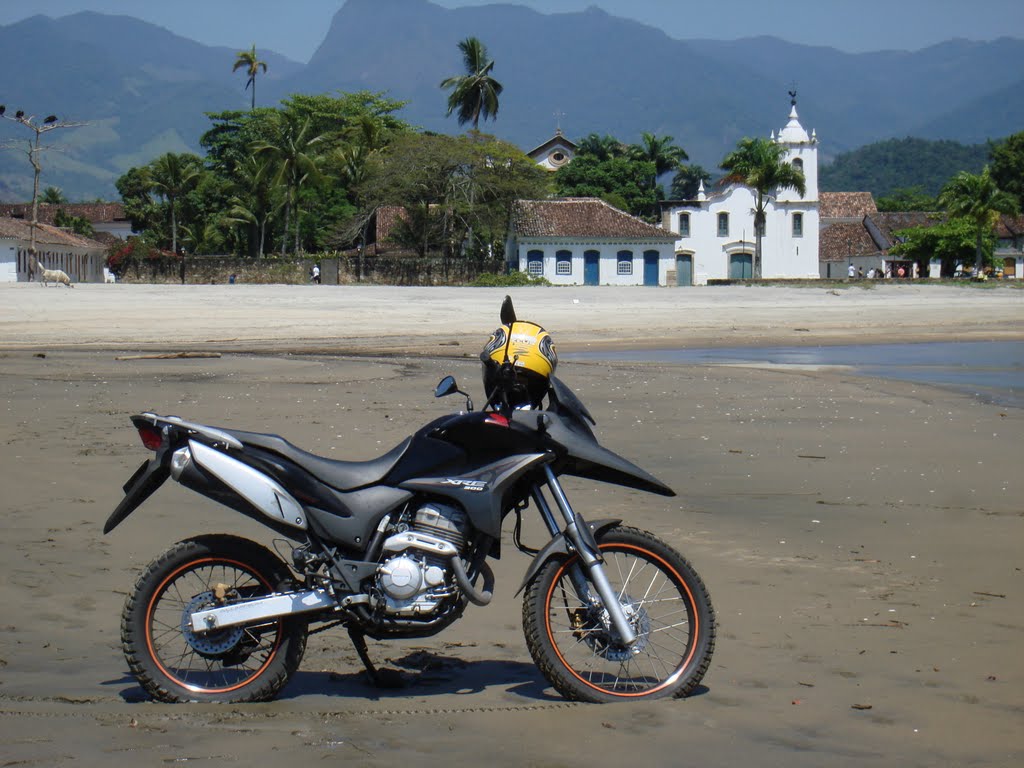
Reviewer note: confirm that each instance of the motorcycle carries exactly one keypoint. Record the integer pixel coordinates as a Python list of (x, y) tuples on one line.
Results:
[(397, 547)]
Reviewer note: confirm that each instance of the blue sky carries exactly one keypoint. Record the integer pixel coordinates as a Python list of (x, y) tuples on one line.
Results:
[(295, 28)]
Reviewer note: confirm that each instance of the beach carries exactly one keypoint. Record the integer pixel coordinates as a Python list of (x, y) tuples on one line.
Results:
[(861, 538)]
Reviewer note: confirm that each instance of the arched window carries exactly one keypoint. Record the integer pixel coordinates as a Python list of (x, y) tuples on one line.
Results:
[(798, 164), (684, 225), (723, 225), (798, 225), (535, 263), (563, 263), (624, 263)]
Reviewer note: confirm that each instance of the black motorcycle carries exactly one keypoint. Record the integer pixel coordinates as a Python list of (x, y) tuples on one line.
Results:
[(397, 547)]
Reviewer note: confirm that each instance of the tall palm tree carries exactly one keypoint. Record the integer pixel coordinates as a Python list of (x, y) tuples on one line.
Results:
[(760, 164), (474, 94), (977, 198), (292, 148), (171, 176), (253, 65)]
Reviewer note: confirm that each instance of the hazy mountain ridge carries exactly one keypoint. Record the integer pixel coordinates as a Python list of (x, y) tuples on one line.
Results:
[(141, 86)]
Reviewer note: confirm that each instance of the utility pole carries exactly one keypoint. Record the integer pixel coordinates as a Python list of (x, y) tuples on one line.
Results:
[(35, 148)]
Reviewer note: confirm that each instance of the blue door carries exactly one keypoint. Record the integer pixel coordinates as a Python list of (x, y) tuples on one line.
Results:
[(650, 267), (741, 266), (591, 268), (684, 270)]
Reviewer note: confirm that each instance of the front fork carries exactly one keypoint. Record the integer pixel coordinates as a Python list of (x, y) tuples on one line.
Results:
[(585, 545)]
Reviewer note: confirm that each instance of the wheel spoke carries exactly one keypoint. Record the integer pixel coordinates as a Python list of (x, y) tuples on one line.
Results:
[(656, 604)]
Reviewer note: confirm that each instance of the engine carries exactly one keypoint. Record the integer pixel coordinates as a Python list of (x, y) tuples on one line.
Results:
[(415, 573)]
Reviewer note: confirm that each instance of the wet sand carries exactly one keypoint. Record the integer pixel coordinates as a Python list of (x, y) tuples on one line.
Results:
[(861, 539)]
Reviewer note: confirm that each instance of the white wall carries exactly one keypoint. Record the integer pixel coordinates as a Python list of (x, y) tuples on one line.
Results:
[(8, 262), (782, 254), (608, 261)]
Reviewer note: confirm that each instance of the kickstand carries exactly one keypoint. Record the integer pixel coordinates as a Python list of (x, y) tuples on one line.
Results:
[(359, 641), (379, 678)]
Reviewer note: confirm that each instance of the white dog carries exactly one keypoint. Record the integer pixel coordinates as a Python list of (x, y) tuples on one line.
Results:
[(55, 276)]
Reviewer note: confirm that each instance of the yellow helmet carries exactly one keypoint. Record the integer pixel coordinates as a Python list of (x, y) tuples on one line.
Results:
[(530, 351)]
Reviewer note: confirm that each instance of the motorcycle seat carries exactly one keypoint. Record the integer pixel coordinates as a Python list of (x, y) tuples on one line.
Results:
[(340, 475)]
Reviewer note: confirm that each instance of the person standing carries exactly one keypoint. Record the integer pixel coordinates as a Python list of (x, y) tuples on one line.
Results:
[(315, 274), (851, 272)]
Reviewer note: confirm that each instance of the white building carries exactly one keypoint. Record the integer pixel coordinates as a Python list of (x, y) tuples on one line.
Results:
[(82, 258), (586, 241), (553, 153), (715, 232)]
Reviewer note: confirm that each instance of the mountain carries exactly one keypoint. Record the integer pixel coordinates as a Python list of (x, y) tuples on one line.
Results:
[(144, 90), (886, 166), (141, 90)]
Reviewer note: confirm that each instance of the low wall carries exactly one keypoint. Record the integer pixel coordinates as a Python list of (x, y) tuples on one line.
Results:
[(205, 270)]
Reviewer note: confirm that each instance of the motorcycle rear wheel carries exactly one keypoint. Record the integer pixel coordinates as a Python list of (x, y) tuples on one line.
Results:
[(235, 664), (664, 600)]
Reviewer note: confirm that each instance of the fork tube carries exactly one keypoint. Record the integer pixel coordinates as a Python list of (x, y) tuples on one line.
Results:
[(592, 560), (545, 511)]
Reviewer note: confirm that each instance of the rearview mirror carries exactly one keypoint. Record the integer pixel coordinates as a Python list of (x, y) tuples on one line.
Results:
[(446, 386), (508, 312)]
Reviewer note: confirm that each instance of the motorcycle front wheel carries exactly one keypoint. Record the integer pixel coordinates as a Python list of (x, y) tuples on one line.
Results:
[(572, 640), (173, 662)]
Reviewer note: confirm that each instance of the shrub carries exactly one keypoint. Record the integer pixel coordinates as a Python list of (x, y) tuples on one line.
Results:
[(511, 280)]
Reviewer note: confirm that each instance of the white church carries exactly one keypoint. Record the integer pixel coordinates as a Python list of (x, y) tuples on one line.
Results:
[(715, 232)]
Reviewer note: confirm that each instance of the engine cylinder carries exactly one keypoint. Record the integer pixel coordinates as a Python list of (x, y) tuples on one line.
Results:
[(445, 522)]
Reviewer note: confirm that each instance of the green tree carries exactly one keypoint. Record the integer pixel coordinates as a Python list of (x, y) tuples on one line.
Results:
[(292, 147), (475, 94), (907, 199), (976, 197), (663, 152), (602, 147), (760, 164), (77, 224), (171, 176), (686, 182), (621, 181), (457, 192), (251, 203), (951, 241), (53, 196), (252, 65), (1007, 164)]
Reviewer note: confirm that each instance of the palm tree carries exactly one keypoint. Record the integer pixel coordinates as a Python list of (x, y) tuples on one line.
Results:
[(53, 196), (292, 150), (977, 198), (252, 64), (760, 164), (665, 155), (251, 203), (172, 176), (601, 147), (474, 94)]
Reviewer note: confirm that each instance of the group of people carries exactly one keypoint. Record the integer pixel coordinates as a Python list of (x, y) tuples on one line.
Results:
[(875, 273)]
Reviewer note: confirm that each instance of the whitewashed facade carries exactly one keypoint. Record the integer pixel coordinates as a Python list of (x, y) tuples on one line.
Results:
[(586, 241), (715, 233)]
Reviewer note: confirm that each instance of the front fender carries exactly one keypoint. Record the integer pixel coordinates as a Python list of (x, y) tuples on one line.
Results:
[(558, 547)]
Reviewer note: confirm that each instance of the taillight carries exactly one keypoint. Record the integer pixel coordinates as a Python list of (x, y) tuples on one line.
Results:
[(151, 436)]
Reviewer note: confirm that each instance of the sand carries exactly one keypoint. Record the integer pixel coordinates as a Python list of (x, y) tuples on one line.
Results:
[(861, 539)]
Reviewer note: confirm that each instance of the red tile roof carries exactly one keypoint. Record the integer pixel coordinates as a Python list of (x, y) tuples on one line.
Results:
[(840, 240), (587, 217), (846, 205), (95, 213), (22, 230)]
